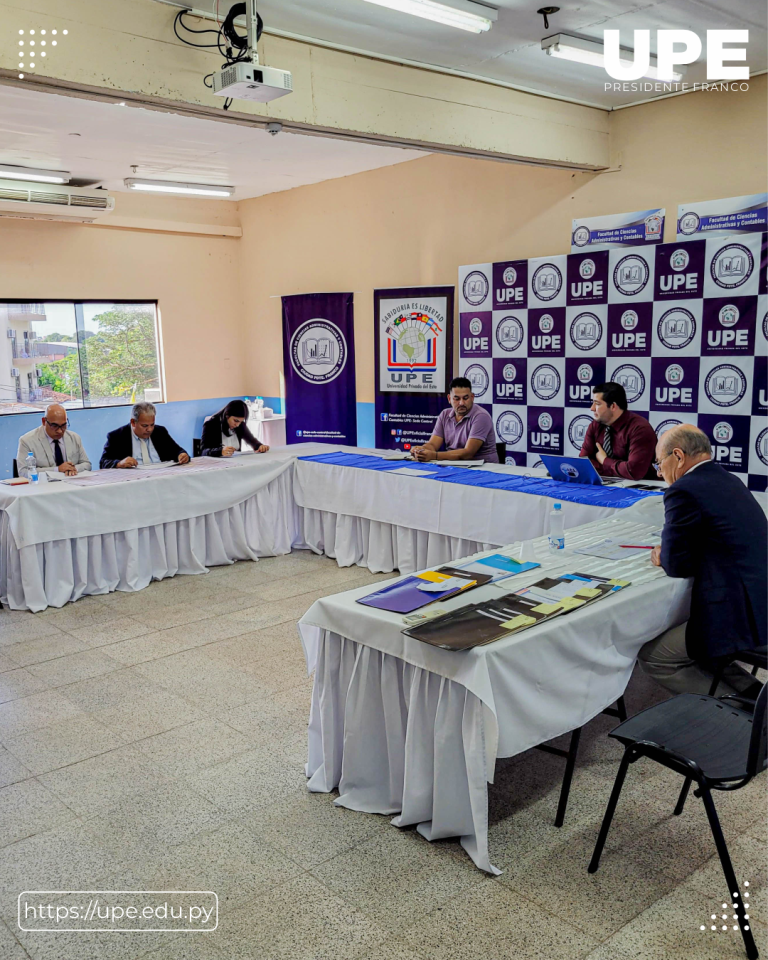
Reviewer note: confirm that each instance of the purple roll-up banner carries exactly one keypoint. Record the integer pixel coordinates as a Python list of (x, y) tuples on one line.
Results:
[(319, 365), (414, 362)]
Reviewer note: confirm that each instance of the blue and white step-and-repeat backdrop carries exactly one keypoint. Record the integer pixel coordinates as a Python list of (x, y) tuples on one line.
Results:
[(683, 326)]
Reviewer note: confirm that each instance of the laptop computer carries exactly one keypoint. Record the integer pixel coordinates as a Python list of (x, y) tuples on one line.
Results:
[(574, 470)]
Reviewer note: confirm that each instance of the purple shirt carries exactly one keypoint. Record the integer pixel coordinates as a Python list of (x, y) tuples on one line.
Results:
[(476, 425)]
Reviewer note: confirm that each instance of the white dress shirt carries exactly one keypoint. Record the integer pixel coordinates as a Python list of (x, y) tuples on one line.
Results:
[(230, 440)]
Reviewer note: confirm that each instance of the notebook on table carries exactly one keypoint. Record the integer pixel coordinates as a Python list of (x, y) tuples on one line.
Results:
[(406, 596)]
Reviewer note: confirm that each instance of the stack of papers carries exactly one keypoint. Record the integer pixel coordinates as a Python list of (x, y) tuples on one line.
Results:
[(613, 550), (411, 593), (412, 472)]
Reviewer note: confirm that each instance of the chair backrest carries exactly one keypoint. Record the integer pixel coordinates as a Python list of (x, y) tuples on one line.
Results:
[(758, 744), (197, 446), (501, 450), (15, 468)]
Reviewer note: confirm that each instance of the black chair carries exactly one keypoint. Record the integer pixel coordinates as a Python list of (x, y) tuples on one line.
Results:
[(620, 711), (15, 469), (710, 741), (501, 451), (197, 446), (756, 658)]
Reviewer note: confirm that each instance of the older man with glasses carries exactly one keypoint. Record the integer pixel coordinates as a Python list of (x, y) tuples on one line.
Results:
[(55, 446)]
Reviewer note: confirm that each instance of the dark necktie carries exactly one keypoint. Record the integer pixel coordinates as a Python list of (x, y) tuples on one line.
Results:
[(607, 445), (58, 456)]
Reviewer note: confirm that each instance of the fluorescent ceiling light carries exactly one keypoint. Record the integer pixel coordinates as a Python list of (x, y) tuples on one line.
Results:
[(592, 52), (27, 173), (463, 14), (190, 189)]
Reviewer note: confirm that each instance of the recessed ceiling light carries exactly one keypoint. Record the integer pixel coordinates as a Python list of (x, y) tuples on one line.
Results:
[(592, 52), (8, 172), (190, 189), (463, 14)]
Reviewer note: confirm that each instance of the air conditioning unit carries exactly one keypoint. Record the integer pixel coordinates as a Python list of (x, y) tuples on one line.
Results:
[(15, 372), (42, 201)]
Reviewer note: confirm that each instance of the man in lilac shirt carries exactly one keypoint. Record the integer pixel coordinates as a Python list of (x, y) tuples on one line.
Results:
[(465, 431), (619, 443)]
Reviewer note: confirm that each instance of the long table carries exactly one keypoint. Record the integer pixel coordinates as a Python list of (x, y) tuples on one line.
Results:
[(360, 511), (121, 529), (414, 731), (63, 540)]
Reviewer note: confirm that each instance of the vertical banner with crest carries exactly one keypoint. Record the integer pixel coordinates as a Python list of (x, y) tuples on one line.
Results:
[(319, 365), (414, 350)]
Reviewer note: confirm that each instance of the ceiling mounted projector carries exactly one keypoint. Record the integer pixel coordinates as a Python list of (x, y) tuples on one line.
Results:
[(243, 77), (249, 81)]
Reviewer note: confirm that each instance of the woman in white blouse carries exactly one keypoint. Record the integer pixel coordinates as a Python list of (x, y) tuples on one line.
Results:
[(225, 431)]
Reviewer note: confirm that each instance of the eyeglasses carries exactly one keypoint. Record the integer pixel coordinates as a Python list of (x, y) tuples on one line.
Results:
[(657, 463), (57, 426)]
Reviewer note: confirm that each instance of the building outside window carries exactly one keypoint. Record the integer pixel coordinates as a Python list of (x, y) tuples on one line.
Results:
[(79, 354)]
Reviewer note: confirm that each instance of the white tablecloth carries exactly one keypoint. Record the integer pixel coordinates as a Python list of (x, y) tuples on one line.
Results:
[(403, 727), (388, 522), (59, 541)]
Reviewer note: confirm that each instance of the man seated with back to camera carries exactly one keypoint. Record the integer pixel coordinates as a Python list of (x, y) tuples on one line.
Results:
[(465, 430), (140, 442), (715, 532), (619, 443)]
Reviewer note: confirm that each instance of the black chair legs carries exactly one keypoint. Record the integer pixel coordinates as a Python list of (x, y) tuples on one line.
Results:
[(730, 877), (618, 783)]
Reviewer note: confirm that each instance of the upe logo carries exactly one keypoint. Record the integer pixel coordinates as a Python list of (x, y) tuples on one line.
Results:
[(584, 373), (667, 425), (689, 223), (674, 374), (761, 446), (509, 372), (629, 319), (667, 57), (630, 275), (547, 281), (478, 377), (725, 385), (546, 323), (509, 334), (586, 331), (475, 287), (509, 426), (569, 470), (509, 276), (577, 430), (722, 432), (729, 315), (581, 236), (732, 266), (545, 382), (545, 421), (676, 328), (476, 326), (318, 351), (679, 260), (587, 269), (632, 379)]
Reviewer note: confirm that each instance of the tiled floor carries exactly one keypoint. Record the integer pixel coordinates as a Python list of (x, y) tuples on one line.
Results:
[(156, 741)]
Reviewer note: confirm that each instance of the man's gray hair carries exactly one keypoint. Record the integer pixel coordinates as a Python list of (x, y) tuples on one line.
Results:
[(143, 406), (691, 440)]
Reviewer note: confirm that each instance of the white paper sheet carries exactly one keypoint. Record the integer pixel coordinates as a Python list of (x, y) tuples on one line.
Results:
[(410, 472), (611, 550)]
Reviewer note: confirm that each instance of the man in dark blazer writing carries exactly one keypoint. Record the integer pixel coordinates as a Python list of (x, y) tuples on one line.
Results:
[(716, 533), (140, 442)]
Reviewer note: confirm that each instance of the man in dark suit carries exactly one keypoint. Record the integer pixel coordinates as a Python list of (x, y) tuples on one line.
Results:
[(140, 442), (715, 532)]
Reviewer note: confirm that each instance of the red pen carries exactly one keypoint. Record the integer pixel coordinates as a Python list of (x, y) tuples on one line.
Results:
[(636, 546)]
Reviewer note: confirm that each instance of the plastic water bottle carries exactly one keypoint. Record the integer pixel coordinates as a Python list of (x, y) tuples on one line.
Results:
[(30, 468), (556, 530)]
